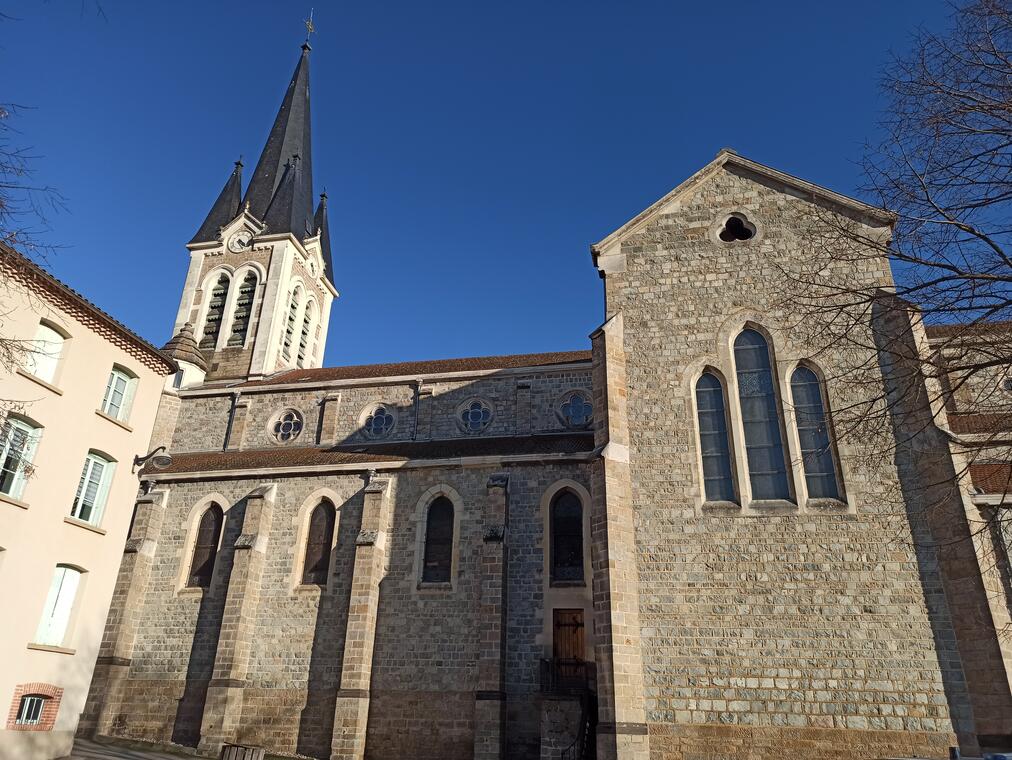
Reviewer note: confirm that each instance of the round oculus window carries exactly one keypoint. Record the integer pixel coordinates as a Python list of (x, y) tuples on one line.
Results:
[(287, 426), (576, 410), (379, 422), (475, 416)]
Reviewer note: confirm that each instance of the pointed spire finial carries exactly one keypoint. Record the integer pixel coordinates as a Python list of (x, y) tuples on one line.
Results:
[(309, 30)]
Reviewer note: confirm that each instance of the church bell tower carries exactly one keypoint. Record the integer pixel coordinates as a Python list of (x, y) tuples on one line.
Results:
[(261, 283)]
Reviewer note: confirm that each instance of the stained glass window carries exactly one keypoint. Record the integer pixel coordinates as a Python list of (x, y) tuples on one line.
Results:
[(764, 444), (476, 416), (718, 480), (813, 433)]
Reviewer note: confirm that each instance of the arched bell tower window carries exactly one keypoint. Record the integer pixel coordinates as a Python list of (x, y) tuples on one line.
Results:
[(205, 547), (293, 315), (567, 537), (813, 434), (318, 543), (438, 560), (215, 310), (243, 309), (760, 416), (306, 337), (714, 445)]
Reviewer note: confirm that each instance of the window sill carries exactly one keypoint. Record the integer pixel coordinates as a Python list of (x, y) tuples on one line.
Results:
[(83, 524), (567, 584), (51, 648), (310, 589), (40, 381), (435, 586), (827, 505), (721, 507), (113, 420), (12, 501), (773, 506), (191, 591)]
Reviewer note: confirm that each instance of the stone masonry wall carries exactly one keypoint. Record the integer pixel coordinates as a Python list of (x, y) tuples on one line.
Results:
[(803, 631), (426, 648), (441, 410)]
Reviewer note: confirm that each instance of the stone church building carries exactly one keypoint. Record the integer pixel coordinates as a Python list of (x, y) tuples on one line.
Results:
[(641, 550)]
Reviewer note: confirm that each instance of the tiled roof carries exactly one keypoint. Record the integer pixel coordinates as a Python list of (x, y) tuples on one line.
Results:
[(285, 456), (31, 275), (436, 366), (992, 478), (980, 423), (964, 329)]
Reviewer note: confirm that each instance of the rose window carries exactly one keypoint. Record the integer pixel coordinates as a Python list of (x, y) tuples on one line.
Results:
[(475, 416), (577, 411), (379, 422), (288, 426)]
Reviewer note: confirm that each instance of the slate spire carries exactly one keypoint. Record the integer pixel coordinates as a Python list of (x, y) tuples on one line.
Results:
[(224, 210), (321, 225), (278, 168)]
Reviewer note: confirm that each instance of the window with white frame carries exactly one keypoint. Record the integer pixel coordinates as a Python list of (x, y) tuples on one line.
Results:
[(30, 710), (19, 440), (55, 622), (119, 393), (92, 489), (45, 352)]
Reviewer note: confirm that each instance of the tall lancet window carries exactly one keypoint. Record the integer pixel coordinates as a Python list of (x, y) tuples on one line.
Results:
[(318, 545), (760, 416), (293, 315), (205, 547), (215, 309), (718, 482), (307, 333), (813, 433), (243, 309), (438, 562)]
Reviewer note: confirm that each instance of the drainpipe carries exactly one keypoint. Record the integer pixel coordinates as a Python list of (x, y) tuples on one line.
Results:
[(231, 418)]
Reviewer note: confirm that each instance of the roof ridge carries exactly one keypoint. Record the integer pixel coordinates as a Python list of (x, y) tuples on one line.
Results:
[(14, 258)]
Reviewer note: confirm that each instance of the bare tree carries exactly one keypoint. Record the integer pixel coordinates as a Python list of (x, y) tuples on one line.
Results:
[(928, 378)]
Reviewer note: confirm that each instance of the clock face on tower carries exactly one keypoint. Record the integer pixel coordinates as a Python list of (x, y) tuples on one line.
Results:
[(239, 241)]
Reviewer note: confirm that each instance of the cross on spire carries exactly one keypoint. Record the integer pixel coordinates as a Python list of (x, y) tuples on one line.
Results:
[(309, 25)]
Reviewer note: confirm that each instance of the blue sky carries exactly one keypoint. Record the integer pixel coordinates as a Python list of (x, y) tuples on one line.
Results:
[(472, 151)]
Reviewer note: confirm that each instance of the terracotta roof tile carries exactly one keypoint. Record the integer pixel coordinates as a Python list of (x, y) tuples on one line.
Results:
[(992, 478), (967, 329), (980, 423), (20, 267), (285, 456), (436, 366)]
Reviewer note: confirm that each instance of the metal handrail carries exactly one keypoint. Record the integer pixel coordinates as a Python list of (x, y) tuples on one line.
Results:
[(566, 676)]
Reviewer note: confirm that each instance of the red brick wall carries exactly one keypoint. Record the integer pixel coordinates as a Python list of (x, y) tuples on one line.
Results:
[(49, 708)]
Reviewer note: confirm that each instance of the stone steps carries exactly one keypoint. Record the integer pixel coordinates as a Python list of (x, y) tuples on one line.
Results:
[(89, 750)]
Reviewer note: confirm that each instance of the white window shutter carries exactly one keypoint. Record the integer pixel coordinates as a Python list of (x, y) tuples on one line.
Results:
[(108, 469), (27, 457), (59, 606), (128, 398), (45, 353)]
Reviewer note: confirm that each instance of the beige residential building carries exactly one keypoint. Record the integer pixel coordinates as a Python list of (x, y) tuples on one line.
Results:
[(82, 405)]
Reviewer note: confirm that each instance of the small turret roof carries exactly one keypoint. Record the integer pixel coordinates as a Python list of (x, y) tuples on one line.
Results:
[(183, 348), (224, 210), (321, 225)]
